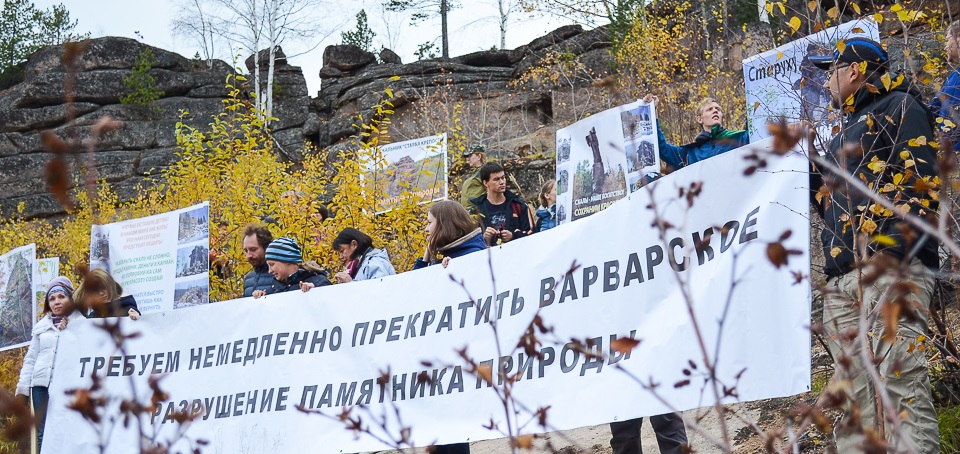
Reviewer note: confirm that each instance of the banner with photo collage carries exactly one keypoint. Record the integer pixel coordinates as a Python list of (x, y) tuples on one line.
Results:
[(162, 260), (18, 304), (600, 157)]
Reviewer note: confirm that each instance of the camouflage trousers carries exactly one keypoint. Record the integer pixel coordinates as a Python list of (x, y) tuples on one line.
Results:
[(902, 363)]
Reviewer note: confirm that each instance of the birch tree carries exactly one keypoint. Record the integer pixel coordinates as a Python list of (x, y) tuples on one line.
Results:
[(255, 25), (197, 26)]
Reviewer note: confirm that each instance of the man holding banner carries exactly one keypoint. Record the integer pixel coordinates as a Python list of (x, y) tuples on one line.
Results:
[(503, 215), (884, 142), (256, 239), (713, 139)]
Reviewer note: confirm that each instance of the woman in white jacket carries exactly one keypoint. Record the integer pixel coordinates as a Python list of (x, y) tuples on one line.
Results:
[(37, 371), (361, 259)]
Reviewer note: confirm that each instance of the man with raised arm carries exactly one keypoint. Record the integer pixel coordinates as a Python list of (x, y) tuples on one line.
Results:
[(712, 140)]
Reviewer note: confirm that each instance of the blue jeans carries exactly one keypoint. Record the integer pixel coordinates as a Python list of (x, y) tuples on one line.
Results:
[(40, 397)]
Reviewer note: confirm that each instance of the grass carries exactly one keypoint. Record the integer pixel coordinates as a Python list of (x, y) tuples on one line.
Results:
[(948, 419)]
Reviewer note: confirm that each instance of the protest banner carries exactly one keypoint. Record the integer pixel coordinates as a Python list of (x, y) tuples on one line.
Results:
[(162, 260), (417, 165), (18, 304), (244, 368), (601, 156), (782, 83), (46, 270)]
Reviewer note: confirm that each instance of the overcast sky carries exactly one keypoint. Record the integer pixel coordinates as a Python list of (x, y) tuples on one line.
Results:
[(473, 27)]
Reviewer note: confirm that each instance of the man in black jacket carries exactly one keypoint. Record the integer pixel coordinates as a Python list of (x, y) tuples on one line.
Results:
[(256, 238), (877, 265), (503, 215)]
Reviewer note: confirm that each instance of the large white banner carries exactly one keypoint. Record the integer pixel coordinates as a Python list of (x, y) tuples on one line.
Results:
[(601, 156), (162, 260), (18, 303), (394, 345), (417, 165), (783, 83)]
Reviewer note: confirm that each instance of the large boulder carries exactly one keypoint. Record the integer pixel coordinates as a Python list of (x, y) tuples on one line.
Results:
[(390, 57), (347, 57), (279, 60)]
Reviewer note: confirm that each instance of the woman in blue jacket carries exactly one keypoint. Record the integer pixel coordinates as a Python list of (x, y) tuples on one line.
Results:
[(451, 233)]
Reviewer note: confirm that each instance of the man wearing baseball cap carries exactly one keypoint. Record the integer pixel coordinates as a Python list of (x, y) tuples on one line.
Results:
[(472, 188), (879, 283)]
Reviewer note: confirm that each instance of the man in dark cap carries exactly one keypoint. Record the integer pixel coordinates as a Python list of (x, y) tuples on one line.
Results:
[(472, 188), (878, 266)]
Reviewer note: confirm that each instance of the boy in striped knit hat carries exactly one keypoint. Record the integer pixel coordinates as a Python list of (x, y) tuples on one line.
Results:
[(289, 272)]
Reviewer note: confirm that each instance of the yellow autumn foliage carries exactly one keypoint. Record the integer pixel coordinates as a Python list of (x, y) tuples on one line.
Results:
[(658, 55)]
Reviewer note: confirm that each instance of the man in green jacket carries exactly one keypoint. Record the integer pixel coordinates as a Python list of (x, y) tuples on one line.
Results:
[(472, 186)]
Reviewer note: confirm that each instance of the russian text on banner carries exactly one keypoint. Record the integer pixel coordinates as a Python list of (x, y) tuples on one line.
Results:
[(162, 260)]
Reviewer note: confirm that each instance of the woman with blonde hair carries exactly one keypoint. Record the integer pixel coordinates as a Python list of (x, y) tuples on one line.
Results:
[(99, 296), (451, 233)]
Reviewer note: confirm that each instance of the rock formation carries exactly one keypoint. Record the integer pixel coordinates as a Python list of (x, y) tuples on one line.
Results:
[(145, 144)]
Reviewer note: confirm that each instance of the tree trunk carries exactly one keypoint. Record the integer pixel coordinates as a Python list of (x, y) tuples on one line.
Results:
[(274, 34), (254, 20), (443, 29), (723, 20), (269, 88), (503, 25), (707, 40)]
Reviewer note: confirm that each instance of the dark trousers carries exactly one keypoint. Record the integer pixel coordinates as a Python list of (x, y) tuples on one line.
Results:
[(456, 448), (40, 397), (671, 435)]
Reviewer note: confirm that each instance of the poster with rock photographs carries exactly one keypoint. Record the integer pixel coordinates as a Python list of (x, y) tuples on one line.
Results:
[(162, 260), (600, 157), (782, 83), (46, 270), (417, 167), (640, 145), (18, 305)]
